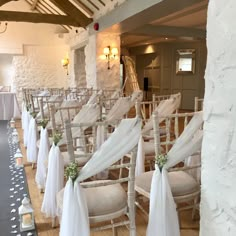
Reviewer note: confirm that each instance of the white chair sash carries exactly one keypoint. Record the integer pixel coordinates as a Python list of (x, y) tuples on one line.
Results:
[(32, 150), (23, 114), (54, 181), (75, 214), (140, 168), (163, 219), (89, 113), (165, 108), (119, 109), (41, 171), (27, 118)]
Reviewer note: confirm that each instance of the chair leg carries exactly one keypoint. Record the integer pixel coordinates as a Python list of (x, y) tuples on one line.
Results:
[(195, 204), (54, 222), (114, 229)]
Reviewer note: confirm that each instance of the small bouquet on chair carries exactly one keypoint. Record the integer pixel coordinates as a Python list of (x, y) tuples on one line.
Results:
[(161, 160), (72, 171)]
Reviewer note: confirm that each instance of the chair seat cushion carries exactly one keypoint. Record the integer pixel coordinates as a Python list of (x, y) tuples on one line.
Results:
[(181, 183), (105, 200), (102, 200)]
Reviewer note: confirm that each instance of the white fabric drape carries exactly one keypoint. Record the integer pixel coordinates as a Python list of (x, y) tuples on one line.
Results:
[(120, 108), (64, 112), (89, 113), (27, 118), (23, 113), (140, 158), (75, 214), (165, 108), (99, 141), (41, 171), (163, 219), (32, 149), (54, 181)]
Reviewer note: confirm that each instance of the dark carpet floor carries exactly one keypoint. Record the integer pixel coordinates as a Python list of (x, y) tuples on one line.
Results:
[(13, 187)]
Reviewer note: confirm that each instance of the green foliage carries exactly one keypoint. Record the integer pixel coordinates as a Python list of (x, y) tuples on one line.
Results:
[(161, 160), (43, 123), (33, 114), (28, 107), (57, 136), (72, 171)]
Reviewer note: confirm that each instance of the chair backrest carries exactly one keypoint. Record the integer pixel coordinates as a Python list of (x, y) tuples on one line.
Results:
[(60, 114), (198, 104), (166, 132), (147, 107), (35, 102), (159, 98)]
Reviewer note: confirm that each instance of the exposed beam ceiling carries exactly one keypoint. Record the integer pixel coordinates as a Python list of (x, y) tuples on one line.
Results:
[(72, 11), (73, 16), (169, 31), (37, 18), (156, 11), (34, 4)]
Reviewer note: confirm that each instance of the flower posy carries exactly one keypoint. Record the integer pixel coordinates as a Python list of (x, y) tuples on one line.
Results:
[(72, 171), (161, 160), (57, 136), (43, 123)]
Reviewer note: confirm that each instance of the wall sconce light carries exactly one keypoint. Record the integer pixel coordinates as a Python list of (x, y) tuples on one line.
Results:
[(110, 54), (65, 62)]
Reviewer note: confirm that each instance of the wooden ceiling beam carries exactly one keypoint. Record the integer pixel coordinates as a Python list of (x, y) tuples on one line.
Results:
[(72, 11), (37, 18), (2, 2), (35, 2), (82, 6)]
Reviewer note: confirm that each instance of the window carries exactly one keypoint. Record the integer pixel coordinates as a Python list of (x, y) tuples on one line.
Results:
[(185, 61)]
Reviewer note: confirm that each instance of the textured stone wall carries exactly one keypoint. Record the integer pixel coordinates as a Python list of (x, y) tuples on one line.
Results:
[(40, 66), (108, 78), (90, 62), (218, 195)]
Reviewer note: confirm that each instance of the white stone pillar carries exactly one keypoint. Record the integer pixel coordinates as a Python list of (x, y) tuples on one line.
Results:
[(218, 195), (97, 73), (108, 78), (90, 61)]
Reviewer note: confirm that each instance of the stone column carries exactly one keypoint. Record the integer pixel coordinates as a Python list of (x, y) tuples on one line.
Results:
[(97, 73), (218, 194)]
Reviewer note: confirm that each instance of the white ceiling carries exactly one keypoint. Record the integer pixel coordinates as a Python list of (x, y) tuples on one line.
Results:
[(186, 24)]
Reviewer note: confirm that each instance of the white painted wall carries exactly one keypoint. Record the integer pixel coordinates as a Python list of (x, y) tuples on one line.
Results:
[(218, 195), (36, 53), (6, 71)]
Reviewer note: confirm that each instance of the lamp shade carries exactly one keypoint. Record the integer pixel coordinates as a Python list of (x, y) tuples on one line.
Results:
[(106, 51), (114, 51)]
